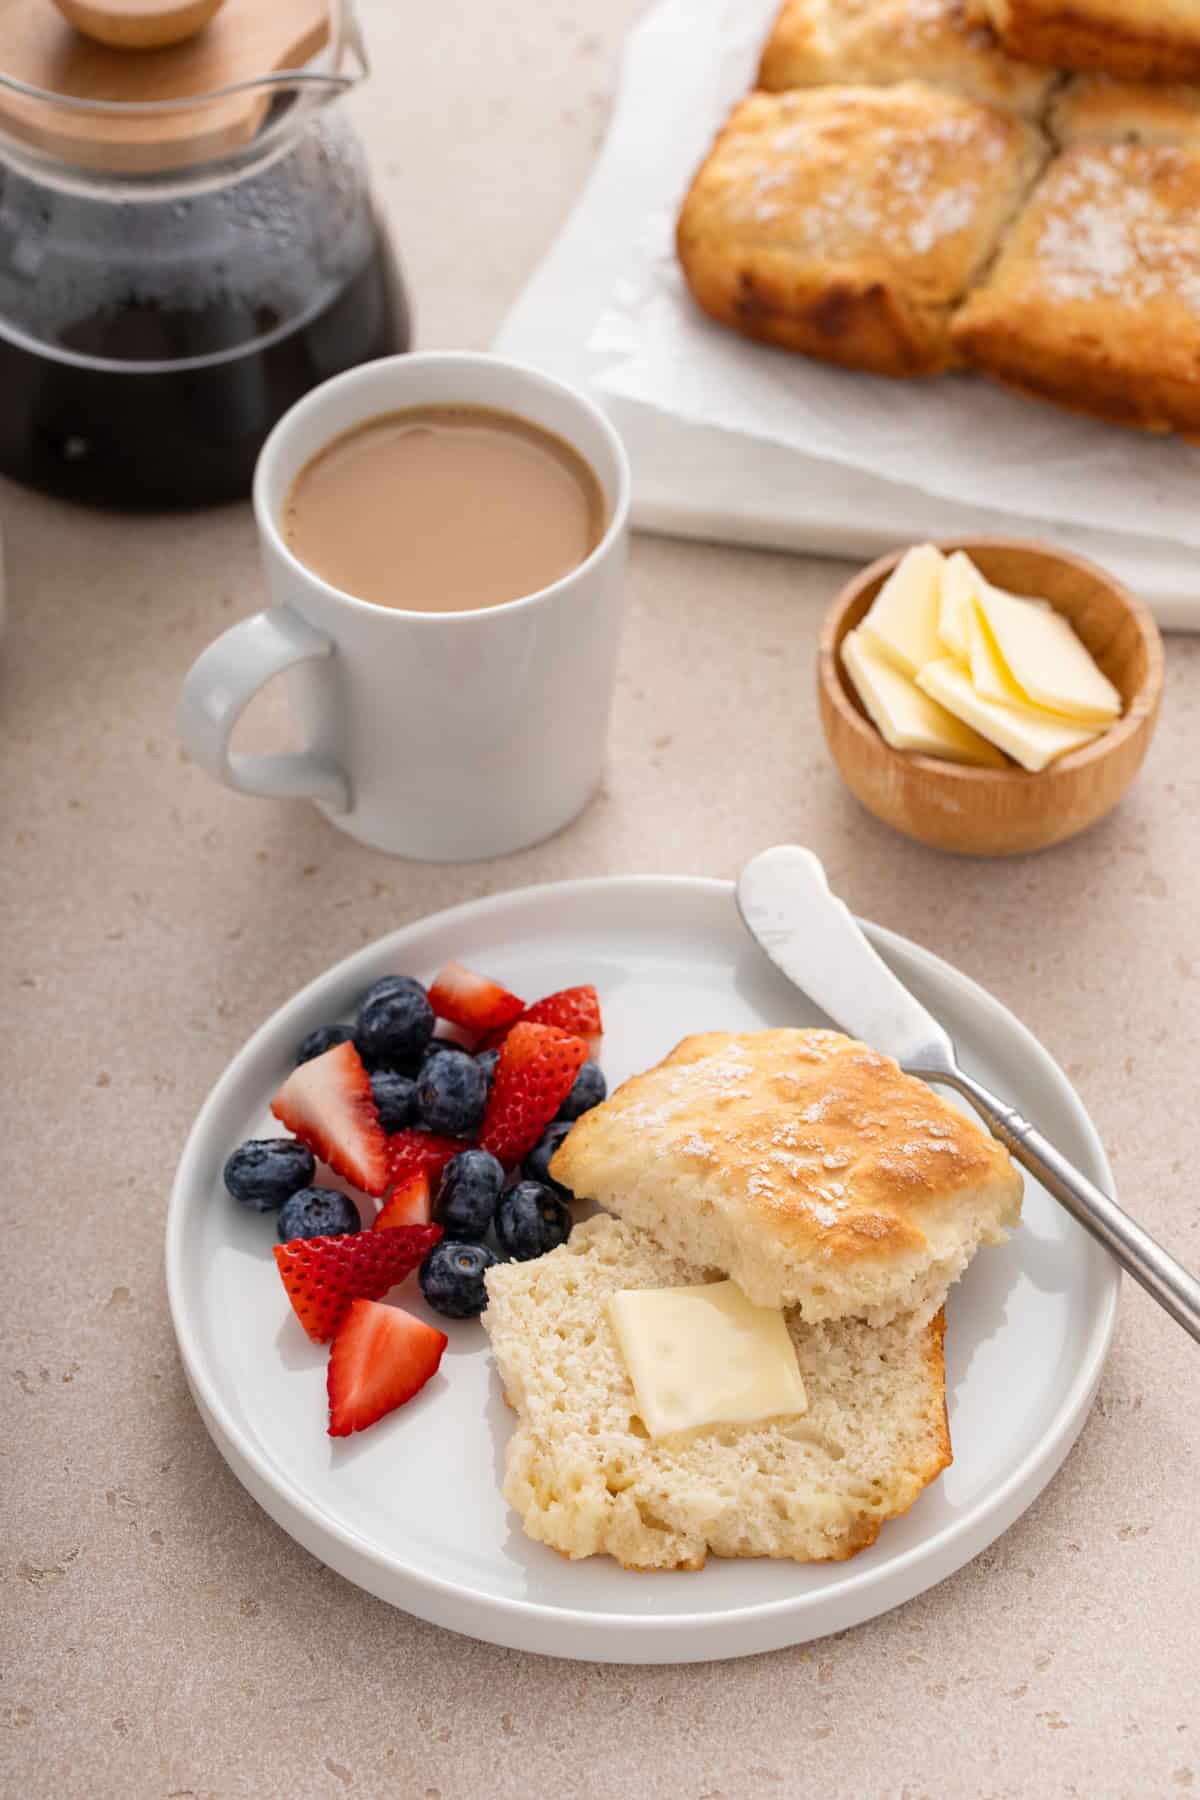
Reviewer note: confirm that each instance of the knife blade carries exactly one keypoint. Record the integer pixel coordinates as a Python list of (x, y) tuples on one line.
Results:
[(812, 936)]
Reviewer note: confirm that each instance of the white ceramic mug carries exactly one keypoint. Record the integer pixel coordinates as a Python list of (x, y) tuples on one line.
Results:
[(442, 736)]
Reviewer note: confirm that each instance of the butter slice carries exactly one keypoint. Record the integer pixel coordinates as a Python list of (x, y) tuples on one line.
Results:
[(903, 619), (705, 1356), (1032, 739), (906, 718), (961, 582), (1045, 658), (989, 676)]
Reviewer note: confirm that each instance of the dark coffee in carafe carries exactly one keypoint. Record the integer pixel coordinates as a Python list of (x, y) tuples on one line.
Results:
[(139, 403)]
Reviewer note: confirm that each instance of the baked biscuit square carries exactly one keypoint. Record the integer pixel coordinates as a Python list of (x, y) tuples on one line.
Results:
[(584, 1477), (847, 222), (803, 1164), (1097, 108), (878, 42), (1138, 40), (1094, 302)]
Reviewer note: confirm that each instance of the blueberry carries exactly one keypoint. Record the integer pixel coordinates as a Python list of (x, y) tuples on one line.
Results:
[(317, 1212), (537, 1164), (487, 1060), (451, 1095), (470, 1187), (324, 1038), (589, 1090), (396, 1098), (451, 1278), (265, 1172), (389, 984), (444, 1046), (393, 1027), (531, 1219)]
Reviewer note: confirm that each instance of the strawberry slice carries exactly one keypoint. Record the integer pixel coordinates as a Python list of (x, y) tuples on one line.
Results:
[(411, 1151), (327, 1103), (323, 1275), (472, 1000), (380, 1358), (536, 1071), (575, 1010), (409, 1203)]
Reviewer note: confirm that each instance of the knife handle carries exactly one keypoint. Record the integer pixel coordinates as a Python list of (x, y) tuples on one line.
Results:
[(1166, 1280)]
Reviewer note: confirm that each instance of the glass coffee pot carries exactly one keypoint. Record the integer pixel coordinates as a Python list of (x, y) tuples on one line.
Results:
[(187, 245)]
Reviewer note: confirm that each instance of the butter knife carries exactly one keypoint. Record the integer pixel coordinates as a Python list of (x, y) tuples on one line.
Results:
[(784, 899)]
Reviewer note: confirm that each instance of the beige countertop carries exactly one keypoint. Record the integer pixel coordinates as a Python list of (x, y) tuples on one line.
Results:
[(159, 1636)]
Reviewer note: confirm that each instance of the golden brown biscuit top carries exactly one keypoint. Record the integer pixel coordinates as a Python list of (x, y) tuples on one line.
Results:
[(879, 41), (1139, 40), (828, 171), (1097, 107), (811, 1134), (1161, 21), (1118, 222), (880, 28)]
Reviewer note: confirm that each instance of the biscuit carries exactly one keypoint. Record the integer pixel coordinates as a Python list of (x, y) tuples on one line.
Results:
[(584, 1477), (847, 222), (803, 1164), (1094, 302), (878, 42), (1138, 40), (1095, 107)]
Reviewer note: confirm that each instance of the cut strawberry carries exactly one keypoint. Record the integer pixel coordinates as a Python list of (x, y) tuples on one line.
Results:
[(472, 1000), (411, 1151), (380, 1358), (575, 1010), (323, 1275), (327, 1102), (409, 1203), (536, 1071)]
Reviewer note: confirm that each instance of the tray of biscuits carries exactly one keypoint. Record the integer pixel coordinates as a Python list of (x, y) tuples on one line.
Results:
[(901, 195), (856, 273)]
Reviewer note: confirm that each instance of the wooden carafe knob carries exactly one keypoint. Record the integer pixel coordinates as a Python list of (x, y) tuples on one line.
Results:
[(138, 24)]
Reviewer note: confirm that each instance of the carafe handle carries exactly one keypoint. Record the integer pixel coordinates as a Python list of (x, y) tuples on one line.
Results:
[(220, 685)]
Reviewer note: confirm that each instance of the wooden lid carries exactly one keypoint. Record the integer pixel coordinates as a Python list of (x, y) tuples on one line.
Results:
[(240, 40), (138, 24)]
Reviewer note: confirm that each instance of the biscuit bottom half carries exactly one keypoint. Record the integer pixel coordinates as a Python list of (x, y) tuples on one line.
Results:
[(586, 1479)]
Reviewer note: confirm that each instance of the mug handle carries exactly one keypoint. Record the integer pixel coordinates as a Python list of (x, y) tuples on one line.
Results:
[(220, 685)]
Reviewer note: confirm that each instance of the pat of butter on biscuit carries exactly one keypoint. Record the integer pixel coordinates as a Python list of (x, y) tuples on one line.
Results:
[(903, 618), (705, 1355), (906, 718)]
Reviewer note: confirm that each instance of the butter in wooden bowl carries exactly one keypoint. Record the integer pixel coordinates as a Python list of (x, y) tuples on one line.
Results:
[(989, 697)]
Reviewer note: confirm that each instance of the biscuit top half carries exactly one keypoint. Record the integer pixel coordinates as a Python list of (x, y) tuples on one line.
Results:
[(798, 1161)]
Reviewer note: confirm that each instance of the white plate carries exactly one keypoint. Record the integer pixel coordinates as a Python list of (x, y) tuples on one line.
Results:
[(412, 1511)]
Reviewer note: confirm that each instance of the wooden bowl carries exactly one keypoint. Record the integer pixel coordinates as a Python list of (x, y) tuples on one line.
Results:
[(1001, 812)]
